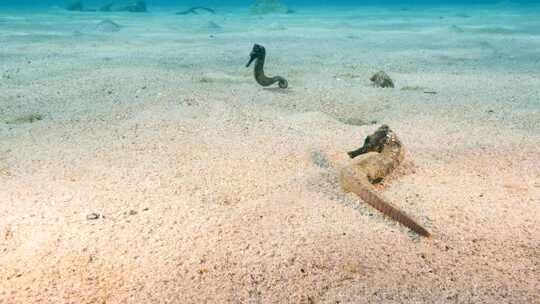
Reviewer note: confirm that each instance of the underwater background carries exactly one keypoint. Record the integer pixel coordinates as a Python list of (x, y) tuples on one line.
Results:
[(40, 3), (141, 161)]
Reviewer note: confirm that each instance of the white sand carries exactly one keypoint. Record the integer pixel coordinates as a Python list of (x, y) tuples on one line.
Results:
[(232, 188)]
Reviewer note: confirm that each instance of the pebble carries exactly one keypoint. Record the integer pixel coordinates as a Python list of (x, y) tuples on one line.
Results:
[(93, 216)]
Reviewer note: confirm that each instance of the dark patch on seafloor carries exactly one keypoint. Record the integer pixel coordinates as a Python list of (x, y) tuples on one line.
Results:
[(108, 26)]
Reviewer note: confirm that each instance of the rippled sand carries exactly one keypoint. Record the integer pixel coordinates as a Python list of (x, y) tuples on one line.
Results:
[(211, 189)]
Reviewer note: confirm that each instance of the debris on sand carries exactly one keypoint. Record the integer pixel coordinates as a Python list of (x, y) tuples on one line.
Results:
[(25, 119), (262, 7), (382, 80), (413, 88)]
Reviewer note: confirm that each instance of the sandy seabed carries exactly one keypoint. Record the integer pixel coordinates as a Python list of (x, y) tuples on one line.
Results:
[(211, 189)]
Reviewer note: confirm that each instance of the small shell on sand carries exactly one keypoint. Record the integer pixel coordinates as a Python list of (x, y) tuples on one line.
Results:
[(93, 216)]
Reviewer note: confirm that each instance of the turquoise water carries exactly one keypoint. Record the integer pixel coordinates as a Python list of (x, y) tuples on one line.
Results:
[(37, 3), (141, 162)]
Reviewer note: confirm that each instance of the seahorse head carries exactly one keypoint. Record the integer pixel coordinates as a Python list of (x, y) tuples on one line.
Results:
[(258, 51), (375, 142)]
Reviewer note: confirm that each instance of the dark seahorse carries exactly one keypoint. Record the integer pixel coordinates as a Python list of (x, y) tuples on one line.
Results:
[(258, 54), (195, 10), (357, 178)]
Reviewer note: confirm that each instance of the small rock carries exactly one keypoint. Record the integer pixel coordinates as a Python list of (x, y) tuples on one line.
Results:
[(93, 216), (382, 80), (132, 212)]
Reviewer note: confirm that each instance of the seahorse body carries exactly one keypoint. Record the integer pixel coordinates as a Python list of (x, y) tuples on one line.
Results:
[(385, 153)]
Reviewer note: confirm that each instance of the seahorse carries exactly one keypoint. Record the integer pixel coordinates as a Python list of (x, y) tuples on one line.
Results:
[(385, 154), (258, 54), (195, 10)]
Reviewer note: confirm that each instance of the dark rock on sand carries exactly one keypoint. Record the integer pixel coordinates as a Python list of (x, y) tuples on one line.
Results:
[(382, 80)]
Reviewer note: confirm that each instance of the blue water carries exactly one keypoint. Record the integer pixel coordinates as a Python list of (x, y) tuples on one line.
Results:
[(42, 3)]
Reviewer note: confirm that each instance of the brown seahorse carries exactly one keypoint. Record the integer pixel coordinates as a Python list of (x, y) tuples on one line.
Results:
[(259, 54), (385, 154)]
